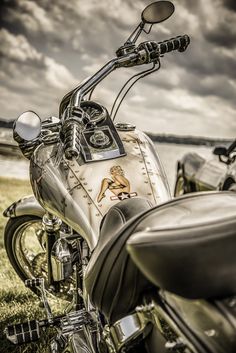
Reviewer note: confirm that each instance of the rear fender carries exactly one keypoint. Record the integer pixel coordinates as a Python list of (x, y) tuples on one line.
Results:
[(28, 205)]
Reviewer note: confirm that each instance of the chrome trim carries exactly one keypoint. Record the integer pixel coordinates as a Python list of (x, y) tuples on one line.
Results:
[(51, 138), (125, 127), (51, 223), (91, 82), (69, 189), (128, 329), (82, 90), (61, 260), (28, 205)]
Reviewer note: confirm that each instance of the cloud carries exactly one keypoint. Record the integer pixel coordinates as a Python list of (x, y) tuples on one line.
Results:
[(57, 75), (35, 18), (28, 15), (223, 34), (230, 4), (17, 48), (178, 112), (49, 46), (30, 77)]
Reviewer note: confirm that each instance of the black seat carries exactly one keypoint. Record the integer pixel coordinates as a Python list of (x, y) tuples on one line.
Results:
[(188, 245), (112, 280)]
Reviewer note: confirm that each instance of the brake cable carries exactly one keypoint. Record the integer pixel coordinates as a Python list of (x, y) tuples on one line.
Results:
[(140, 75)]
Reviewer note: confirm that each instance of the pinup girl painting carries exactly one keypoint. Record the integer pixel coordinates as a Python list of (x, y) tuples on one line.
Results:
[(117, 184)]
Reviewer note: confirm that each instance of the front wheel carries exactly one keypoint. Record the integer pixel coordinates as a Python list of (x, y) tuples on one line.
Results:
[(181, 184), (25, 242)]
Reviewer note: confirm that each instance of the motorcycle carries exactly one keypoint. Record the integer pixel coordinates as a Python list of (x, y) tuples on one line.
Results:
[(195, 173), (144, 272)]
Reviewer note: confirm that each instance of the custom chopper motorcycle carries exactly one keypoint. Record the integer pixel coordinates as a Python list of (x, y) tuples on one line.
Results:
[(144, 272), (195, 173)]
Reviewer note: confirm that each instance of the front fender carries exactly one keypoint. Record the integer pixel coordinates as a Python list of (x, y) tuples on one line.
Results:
[(28, 205)]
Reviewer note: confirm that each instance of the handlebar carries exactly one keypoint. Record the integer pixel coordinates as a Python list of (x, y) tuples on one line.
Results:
[(151, 51), (179, 43), (147, 52)]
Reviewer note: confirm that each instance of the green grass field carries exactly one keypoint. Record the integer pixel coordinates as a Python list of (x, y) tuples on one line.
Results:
[(17, 303)]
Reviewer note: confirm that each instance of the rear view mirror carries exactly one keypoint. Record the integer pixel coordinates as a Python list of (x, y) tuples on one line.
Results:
[(220, 151), (157, 12), (28, 126)]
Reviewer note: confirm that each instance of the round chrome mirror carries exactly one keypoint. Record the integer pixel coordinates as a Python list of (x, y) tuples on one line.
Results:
[(28, 126), (157, 12)]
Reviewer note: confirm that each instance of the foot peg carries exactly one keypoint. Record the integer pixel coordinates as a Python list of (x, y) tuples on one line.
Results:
[(66, 324), (23, 333), (34, 282), (29, 331)]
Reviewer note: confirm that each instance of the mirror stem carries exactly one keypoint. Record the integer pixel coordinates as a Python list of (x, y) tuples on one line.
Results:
[(149, 30), (135, 34)]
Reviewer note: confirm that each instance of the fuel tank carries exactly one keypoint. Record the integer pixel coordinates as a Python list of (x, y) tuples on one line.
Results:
[(82, 193)]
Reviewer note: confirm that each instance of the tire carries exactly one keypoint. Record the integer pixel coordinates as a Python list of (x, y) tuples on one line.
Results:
[(24, 243), (15, 230), (181, 184)]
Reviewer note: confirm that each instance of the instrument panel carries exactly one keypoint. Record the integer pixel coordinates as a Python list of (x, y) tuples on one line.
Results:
[(100, 141)]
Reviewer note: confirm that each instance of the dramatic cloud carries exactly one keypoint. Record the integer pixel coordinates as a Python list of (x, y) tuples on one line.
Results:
[(47, 47), (230, 4), (17, 48), (29, 77)]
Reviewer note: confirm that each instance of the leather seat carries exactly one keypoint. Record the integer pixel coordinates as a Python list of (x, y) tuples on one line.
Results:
[(112, 280), (188, 245)]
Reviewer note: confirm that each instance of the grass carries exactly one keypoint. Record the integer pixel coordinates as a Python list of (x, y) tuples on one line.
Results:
[(17, 304)]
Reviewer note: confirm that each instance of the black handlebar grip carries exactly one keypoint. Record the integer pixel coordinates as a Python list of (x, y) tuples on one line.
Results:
[(179, 43)]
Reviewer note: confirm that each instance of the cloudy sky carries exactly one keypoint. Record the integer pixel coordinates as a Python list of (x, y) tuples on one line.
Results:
[(48, 46)]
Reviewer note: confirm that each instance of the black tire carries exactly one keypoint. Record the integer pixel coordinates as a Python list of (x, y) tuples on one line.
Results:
[(181, 184), (13, 231)]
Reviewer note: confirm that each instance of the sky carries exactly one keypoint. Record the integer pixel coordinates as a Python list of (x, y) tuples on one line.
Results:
[(48, 47)]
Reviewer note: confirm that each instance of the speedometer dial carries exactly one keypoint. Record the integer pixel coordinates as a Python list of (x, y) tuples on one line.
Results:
[(96, 112)]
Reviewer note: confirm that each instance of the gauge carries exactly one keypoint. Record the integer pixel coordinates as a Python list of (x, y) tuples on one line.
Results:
[(96, 112)]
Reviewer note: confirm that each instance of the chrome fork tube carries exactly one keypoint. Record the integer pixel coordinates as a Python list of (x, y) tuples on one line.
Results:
[(51, 225)]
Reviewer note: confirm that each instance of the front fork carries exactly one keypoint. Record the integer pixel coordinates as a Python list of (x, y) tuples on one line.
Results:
[(59, 257), (51, 226)]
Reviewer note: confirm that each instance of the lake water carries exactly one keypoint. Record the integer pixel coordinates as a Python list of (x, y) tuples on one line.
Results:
[(14, 168), (169, 155)]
